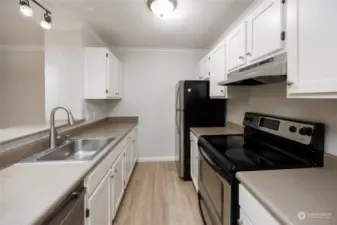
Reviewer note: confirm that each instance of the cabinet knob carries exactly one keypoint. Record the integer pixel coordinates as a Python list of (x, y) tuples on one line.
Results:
[(241, 57), (289, 83), (209, 58), (249, 54), (112, 176), (209, 73), (240, 222), (221, 90), (116, 170)]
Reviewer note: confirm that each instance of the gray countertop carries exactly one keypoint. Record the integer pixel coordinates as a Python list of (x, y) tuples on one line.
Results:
[(286, 193), (30, 190), (230, 128)]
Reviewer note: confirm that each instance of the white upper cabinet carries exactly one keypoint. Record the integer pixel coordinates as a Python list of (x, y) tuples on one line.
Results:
[(202, 71), (103, 74), (236, 47), (264, 30), (216, 68), (312, 48)]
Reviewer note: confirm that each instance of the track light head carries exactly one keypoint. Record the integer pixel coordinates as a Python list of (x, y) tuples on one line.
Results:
[(25, 8), (46, 23)]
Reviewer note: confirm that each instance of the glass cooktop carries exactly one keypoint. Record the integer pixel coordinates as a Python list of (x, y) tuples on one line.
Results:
[(233, 153)]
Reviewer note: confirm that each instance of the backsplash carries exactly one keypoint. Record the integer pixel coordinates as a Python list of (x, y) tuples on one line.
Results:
[(271, 99)]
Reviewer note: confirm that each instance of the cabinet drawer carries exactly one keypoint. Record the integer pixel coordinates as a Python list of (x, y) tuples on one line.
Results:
[(96, 176), (253, 209)]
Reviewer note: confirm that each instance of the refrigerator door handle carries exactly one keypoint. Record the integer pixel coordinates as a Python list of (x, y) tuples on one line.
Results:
[(177, 97), (177, 123)]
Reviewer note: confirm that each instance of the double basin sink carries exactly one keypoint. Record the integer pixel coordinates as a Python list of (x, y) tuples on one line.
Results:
[(73, 150)]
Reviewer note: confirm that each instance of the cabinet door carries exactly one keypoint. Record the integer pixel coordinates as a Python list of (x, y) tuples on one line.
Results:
[(119, 182), (217, 71), (95, 70), (194, 160), (236, 48), (244, 219), (111, 67), (112, 194), (118, 70), (120, 79), (311, 46), (264, 28), (127, 164), (99, 204)]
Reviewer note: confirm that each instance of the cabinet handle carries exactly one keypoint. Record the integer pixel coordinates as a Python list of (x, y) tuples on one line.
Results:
[(209, 58), (209, 73), (106, 91), (249, 54), (241, 57)]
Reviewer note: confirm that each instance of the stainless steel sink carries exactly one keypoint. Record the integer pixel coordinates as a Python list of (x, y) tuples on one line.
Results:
[(74, 150)]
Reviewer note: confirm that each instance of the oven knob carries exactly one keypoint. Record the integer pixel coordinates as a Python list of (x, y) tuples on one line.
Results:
[(292, 129), (306, 131)]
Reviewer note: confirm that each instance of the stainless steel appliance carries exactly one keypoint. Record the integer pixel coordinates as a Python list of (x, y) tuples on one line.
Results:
[(271, 70), (194, 108), (70, 211), (268, 143)]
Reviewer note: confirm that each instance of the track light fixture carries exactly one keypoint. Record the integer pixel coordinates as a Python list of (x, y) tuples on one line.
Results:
[(26, 10), (46, 23)]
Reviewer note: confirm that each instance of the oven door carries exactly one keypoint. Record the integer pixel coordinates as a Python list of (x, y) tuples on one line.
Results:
[(214, 192)]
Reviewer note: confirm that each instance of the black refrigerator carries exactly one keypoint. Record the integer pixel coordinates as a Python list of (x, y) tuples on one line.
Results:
[(194, 108)]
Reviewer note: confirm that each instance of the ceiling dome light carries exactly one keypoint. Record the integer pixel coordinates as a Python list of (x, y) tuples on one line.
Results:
[(46, 23), (162, 8), (25, 8)]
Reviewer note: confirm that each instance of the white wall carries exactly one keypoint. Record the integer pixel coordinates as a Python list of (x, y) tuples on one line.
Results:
[(64, 83), (271, 99), (149, 92), (22, 87)]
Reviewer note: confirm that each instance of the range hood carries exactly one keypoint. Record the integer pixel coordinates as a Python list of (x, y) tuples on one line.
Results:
[(271, 70)]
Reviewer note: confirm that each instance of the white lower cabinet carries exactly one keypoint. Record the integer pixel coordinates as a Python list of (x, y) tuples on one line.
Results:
[(119, 182), (251, 210), (107, 182), (99, 204), (194, 160)]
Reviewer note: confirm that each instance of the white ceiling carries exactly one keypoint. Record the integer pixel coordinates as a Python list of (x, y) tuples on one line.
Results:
[(129, 23), (16, 29)]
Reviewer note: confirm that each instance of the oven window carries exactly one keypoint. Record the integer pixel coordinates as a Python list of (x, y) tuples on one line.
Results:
[(212, 185)]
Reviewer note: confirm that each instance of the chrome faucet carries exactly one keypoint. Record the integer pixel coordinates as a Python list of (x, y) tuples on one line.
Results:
[(53, 133)]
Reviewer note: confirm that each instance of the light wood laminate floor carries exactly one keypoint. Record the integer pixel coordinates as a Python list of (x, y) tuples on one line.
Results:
[(157, 196)]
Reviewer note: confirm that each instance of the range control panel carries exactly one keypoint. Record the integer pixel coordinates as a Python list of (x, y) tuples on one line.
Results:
[(287, 128)]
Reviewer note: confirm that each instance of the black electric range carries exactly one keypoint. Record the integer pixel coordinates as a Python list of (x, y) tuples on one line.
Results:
[(268, 143)]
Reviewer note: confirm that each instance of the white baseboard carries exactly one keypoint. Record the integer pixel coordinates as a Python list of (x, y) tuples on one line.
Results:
[(157, 159)]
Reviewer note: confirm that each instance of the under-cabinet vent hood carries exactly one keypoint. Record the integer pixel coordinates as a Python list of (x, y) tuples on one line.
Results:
[(272, 70)]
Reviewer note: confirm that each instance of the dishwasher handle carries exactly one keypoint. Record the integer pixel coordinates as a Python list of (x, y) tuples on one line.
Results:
[(70, 211)]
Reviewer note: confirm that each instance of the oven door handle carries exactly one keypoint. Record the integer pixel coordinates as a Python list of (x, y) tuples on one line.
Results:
[(207, 158)]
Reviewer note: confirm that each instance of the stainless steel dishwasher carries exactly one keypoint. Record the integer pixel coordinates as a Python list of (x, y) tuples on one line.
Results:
[(70, 211)]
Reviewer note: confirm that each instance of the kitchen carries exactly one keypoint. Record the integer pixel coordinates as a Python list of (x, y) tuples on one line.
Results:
[(151, 109)]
